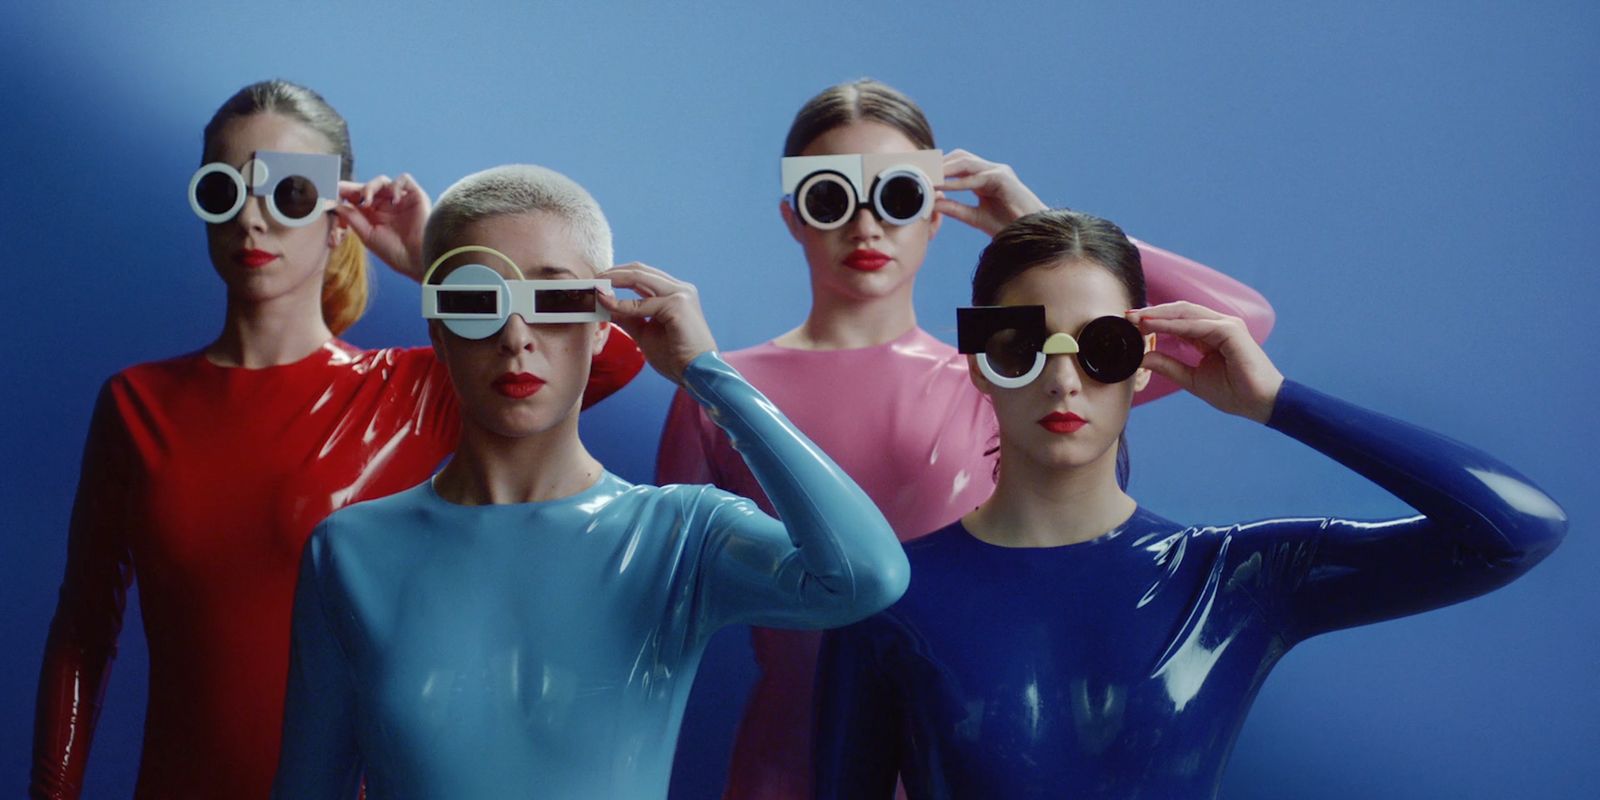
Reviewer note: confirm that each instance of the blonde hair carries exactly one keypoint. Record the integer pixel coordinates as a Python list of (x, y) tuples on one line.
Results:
[(519, 189), (344, 284)]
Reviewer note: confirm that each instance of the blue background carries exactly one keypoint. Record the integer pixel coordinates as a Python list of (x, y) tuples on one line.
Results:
[(1414, 186)]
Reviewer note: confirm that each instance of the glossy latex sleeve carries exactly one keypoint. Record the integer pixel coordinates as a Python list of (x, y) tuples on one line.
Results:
[(976, 685), (831, 561), (1170, 277), (82, 641), (1483, 524), (452, 651)]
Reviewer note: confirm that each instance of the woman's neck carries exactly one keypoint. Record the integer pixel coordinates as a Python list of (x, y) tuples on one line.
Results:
[(489, 469), (1036, 506), (848, 323), (269, 333)]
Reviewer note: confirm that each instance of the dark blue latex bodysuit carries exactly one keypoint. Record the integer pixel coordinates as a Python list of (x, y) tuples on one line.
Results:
[(1124, 666)]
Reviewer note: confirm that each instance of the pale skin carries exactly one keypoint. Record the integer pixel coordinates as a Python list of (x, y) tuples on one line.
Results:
[(854, 309), (1061, 489), (274, 311), (527, 449)]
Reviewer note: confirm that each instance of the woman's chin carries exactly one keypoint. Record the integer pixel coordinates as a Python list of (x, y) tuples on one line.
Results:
[(1061, 454), (519, 422), (875, 285)]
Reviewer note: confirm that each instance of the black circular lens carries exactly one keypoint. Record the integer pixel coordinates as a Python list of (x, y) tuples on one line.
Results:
[(295, 197), (216, 192), (826, 201), (900, 199), (1010, 353), (1110, 349)]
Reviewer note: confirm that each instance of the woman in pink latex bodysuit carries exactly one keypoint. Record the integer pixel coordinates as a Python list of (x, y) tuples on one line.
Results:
[(889, 402)]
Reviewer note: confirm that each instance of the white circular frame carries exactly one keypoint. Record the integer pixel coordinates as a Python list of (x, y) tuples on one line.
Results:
[(812, 180), (894, 172), (238, 182), (1010, 383)]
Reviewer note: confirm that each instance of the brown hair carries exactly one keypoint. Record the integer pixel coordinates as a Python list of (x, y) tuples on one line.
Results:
[(1052, 235), (344, 284), (853, 101)]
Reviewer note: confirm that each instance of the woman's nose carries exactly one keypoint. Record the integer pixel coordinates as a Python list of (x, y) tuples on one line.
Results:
[(517, 335), (253, 214), (865, 225), (1062, 376)]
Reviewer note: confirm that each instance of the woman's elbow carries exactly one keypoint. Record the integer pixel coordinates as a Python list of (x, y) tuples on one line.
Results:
[(879, 586)]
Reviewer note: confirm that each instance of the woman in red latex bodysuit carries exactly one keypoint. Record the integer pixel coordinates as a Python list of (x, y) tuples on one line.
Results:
[(889, 402), (204, 474)]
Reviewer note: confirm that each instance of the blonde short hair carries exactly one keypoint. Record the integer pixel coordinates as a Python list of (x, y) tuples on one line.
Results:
[(518, 189)]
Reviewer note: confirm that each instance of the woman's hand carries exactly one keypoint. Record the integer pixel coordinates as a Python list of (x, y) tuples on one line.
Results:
[(1234, 373), (1002, 197), (666, 319), (389, 216)]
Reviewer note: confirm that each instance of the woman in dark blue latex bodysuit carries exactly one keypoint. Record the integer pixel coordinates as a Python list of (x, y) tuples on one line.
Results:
[(1062, 641)]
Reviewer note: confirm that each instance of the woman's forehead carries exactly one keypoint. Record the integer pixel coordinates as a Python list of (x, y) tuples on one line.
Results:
[(541, 245), (1072, 293), (266, 130)]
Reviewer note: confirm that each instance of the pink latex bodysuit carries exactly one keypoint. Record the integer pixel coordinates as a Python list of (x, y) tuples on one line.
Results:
[(903, 420)]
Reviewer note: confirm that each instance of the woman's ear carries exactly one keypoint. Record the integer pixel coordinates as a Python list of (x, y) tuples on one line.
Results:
[(337, 231), (602, 333), (1141, 379), (1141, 376), (790, 219), (974, 374)]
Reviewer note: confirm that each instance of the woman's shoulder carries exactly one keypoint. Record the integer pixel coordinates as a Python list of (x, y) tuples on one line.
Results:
[(171, 374), (342, 353), (185, 363), (912, 359)]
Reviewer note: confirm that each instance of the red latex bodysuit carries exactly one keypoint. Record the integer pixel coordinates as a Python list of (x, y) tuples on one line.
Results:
[(205, 482)]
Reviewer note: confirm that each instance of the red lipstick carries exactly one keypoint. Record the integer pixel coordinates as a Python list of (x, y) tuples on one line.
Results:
[(254, 258), (517, 385), (866, 260), (1058, 422)]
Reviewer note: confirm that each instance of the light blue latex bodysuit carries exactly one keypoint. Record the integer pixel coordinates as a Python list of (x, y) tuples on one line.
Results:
[(547, 649)]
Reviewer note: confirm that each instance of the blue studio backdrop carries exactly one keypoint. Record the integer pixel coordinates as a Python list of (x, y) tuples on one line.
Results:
[(1413, 186)]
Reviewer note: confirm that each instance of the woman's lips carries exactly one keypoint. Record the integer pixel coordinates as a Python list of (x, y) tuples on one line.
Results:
[(1058, 422), (254, 258), (866, 260), (517, 385)]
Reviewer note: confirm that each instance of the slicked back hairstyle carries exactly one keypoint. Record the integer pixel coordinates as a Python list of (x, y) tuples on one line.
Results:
[(855, 101)]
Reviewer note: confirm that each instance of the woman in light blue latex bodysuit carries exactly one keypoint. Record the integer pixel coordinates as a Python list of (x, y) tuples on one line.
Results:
[(1062, 641), (527, 624)]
